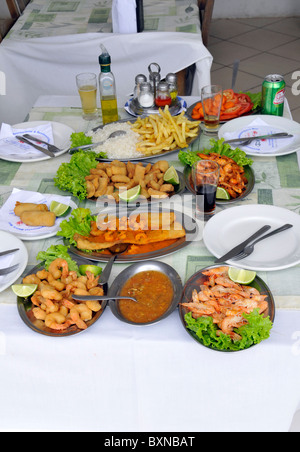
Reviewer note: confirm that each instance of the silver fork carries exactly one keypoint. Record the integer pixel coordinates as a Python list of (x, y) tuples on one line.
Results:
[(249, 248), (51, 147), (5, 271)]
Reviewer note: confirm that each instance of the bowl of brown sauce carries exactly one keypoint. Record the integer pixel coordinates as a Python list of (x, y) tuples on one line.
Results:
[(156, 286)]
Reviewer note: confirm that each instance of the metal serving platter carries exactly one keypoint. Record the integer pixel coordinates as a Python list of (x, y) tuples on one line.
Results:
[(190, 109), (126, 274), (249, 174), (189, 142), (187, 222), (135, 109), (25, 311), (198, 279)]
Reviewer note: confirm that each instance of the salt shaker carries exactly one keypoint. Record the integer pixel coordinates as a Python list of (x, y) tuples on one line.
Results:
[(146, 96), (140, 78)]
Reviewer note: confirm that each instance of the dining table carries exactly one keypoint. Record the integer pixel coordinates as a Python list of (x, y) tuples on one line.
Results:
[(117, 377), (53, 41)]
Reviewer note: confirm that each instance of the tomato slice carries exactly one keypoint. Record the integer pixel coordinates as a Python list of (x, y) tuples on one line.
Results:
[(231, 112), (229, 94)]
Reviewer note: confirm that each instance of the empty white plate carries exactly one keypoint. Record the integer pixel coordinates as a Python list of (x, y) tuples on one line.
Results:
[(232, 226)]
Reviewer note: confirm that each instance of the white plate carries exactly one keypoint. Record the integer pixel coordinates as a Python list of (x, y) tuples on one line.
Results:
[(232, 226), (279, 123), (9, 242), (61, 138), (38, 232)]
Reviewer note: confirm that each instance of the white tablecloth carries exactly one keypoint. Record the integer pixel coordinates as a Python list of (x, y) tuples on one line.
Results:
[(115, 377), (37, 66)]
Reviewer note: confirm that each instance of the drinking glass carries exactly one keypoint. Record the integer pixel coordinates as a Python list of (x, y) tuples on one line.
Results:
[(211, 97), (87, 88), (205, 176)]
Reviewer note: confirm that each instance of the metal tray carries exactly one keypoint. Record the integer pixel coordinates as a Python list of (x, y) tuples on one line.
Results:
[(188, 223), (25, 311), (249, 174), (198, 279)]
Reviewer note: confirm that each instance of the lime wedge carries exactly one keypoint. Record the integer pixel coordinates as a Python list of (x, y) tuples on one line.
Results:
[(238, 275), (222, 193), (90, 268), (24, 290), (130, 195), (171, 176), (59, 209)]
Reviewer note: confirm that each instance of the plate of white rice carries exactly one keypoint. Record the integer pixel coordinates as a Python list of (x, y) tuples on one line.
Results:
[(121, 148)]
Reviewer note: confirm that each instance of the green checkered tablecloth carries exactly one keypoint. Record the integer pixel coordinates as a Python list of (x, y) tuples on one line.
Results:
[(277, 183), (43, 18)]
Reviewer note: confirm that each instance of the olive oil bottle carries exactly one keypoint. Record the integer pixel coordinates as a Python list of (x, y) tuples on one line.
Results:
[(107, 88)]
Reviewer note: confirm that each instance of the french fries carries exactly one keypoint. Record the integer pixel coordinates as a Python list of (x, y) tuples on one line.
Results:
[(164, 132)]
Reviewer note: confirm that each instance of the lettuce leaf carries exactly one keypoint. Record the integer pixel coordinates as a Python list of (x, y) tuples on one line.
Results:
[(57, 251), (255, 99), (219, 147), (79, 139), (256, 330), (71, 176), (78, 223)]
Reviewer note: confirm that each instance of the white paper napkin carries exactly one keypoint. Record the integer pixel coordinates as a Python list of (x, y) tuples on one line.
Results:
[(259, 127), (9, 145), (10, 222), (124, 16)]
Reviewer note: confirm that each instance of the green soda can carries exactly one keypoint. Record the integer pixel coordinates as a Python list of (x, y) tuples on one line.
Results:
[(273, 93)]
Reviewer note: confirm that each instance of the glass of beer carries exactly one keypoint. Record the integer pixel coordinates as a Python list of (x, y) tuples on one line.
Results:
[(211, 97), (205, 176), (87, 88)]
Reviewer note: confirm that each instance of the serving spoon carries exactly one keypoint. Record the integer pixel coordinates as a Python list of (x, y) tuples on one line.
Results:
[(116, 133), (101, 298), (115, 250)]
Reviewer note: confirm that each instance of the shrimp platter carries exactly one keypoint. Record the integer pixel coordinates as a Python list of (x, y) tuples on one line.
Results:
[(211, 294), (52, 308)]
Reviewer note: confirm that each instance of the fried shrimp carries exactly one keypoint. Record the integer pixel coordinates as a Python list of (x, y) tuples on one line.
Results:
[(225, 301), (57, 321), (53, 303), (59, 268)]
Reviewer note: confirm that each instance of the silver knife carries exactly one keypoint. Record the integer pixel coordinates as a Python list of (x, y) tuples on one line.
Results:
[(3, 253), (261, 137), (35, 146), (51, 147), (237, 249)]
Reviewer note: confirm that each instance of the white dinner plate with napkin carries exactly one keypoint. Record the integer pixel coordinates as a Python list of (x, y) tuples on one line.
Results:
[(13, 150), (232, 226), (11, 223), (10, 242), (249, 126)]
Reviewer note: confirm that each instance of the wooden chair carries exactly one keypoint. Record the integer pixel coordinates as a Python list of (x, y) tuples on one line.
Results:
[(185, 77), (14, 9), (205, 13), (5, 26)]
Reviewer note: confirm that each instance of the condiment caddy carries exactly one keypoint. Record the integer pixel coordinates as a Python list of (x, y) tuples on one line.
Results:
[(150, 95)]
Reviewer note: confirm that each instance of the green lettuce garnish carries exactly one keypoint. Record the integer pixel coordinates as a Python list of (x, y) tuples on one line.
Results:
[(256, 330), (78, 223), (71, 176), (57, 251), (255, 99), (219, 147), (79, 139)]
